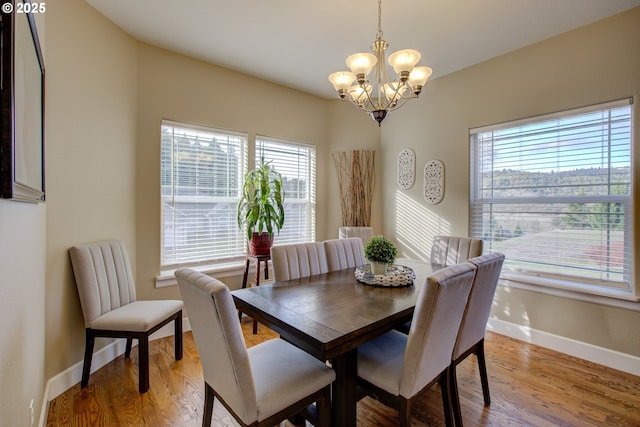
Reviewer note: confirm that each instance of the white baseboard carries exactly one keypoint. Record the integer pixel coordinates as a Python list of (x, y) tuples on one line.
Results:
[(603, 356), (72, 375)]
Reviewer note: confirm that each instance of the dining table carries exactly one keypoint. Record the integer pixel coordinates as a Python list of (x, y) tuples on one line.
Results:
[(329, 315)]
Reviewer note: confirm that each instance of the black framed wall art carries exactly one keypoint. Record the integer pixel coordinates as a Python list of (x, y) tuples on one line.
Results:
[(22, 175)]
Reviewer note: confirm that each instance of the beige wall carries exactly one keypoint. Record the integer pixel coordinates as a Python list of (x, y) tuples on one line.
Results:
[(22, 309), (91, 142), (596, 63), (351, 129), (22, 301)]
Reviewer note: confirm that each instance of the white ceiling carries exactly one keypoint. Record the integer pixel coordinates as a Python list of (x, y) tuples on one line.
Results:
[(298, 43)]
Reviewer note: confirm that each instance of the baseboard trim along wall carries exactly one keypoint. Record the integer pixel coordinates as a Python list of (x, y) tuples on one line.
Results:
[(613, 359), (71, 376), (603, 356)]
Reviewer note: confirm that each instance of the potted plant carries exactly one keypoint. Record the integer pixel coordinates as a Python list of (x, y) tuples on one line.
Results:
[(260, 208), (380, 251)]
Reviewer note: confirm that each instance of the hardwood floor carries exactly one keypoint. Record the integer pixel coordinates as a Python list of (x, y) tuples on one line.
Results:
[(530, 386)]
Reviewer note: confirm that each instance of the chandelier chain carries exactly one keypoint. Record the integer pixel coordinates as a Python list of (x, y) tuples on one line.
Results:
[(379, 33)]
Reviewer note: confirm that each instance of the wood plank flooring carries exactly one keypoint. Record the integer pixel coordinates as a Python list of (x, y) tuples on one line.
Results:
[(530, 386)]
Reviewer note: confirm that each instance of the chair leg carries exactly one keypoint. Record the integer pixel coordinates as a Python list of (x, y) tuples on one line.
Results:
[(404, 412), (446, 397), (90, 340), (143, 364), (127, 350), (178, 336), (455, 397), (209, 398), (482, 365)]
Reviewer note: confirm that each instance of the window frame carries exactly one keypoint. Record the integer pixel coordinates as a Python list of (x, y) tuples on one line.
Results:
[(559, 284), (222, 261)]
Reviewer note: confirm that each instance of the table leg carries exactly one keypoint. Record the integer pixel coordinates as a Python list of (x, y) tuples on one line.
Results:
[(244, 283), (255, 323), (344, 390)]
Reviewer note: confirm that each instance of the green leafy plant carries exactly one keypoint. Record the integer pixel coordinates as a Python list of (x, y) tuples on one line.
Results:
[(380, 249), (261, 206)]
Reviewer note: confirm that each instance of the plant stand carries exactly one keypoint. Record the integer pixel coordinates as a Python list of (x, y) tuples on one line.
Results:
[(257, 259)]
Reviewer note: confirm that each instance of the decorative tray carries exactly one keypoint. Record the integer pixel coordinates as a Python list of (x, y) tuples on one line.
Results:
[(396, 276)]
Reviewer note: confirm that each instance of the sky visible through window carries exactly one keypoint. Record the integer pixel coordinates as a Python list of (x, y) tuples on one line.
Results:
[(564, 144)]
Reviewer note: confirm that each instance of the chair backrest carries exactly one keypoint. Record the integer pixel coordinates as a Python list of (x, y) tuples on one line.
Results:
[(223, 353), (365, 233), (103, 277), (450, 250), (298, 260), (476, 314), (435, 325), (344, 253)]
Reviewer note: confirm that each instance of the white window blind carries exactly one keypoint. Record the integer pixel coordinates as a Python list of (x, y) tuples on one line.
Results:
[(554, 193), (201, 177), (297, 165)]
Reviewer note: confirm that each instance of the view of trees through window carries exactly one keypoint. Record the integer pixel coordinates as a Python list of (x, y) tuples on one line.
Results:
[(554, 194)]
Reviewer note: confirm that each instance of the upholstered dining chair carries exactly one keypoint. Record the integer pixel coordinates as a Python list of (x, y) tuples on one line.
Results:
[(397, 368), (364, 233), (344, 253), (297, 260), (470, 338), (259, 386), (110, 308), (449, 250)]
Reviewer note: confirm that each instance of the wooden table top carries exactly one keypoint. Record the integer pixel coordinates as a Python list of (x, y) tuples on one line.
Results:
[(330, 314)]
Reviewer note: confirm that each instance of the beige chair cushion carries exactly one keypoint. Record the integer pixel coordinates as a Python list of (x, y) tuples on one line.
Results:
[(255, 383), (137, 316), (365, 233), (450, 250), (404, 364), (298, 260), (283, 374), (476, 315), (344, 253)]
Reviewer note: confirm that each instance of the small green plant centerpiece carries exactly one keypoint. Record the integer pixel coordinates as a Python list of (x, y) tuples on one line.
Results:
[(260, 208), (380, 251)]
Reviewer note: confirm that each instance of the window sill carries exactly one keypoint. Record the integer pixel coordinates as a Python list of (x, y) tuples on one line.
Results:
[(167, 278), (571, 290)]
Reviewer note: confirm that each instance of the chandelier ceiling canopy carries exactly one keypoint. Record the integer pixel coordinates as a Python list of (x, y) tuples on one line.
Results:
[(378, 95)]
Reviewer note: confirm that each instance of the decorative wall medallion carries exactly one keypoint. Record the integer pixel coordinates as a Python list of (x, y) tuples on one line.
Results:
[(406, 168), (434, 182)]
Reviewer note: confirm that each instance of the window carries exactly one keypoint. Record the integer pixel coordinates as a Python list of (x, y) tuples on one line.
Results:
[(297, 165), (201, 178), (554, 194)]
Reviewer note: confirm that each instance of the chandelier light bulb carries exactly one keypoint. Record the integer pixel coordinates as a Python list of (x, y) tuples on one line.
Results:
[(418, 78), (404, 60), (359, 93), (341, 81), (361, 64)]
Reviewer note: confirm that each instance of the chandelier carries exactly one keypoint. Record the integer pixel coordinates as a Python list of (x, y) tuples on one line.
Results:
[(379, 95)]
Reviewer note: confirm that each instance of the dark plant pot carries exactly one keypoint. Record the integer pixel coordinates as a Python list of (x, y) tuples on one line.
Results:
[(260, 244)]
